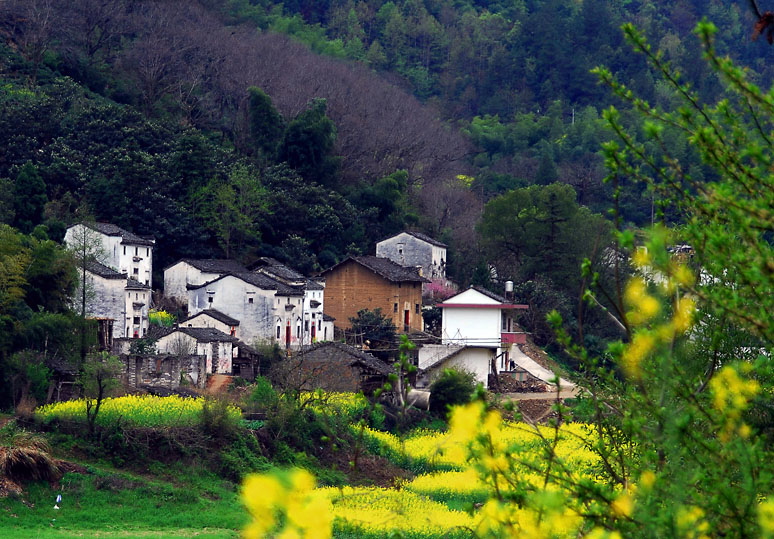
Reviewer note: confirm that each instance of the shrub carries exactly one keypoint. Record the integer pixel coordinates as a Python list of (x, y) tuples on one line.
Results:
[(452, 387), (218, 420), (263, 394)]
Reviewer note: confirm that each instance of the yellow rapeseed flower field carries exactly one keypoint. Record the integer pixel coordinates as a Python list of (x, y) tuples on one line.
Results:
[(138, 410)]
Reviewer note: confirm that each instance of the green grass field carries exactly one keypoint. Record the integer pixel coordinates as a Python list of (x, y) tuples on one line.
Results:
[(110, 503)]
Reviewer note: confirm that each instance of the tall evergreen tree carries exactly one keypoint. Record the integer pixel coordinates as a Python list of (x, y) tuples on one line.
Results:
[(308, 144), (29, 198), (266, 123)]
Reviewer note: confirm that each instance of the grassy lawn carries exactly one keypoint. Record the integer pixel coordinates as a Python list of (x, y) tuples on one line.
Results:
[(107, 503)]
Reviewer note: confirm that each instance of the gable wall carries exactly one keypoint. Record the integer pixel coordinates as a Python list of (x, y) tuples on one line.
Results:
[(231, 297), (350, 287)]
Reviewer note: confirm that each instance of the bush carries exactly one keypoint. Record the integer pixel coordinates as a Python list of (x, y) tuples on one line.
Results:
[(217, 419), (452, 387), (263, 395)]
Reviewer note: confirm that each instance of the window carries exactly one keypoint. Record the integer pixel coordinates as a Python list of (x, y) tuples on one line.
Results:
[(136, 271), (209, 299), (398, 285), (147, 251), (278, 331), (416, 308), (319, 324), (124, 249), (136, 321), (306, 325), (503, 321), (395, 307), (313, 316), (249, 300), (136, 251)]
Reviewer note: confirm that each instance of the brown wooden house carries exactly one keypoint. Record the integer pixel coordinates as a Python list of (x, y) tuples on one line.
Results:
[(369, 282)]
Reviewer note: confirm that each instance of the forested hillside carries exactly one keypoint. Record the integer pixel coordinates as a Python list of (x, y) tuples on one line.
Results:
[(309, 130)]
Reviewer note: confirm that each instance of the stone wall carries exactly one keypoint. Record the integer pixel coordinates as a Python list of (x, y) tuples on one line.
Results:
[(164, 371)]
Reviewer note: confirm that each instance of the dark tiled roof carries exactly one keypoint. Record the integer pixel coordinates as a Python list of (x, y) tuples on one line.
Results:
[(127, 237), (428, 239), (386, 268), (134, 284), (283, 272), (245, 347), (334, 350), (201, 334), (273, 266), (489, 294), (312, 284), (213, 265), (92, 266), (259, 280), (328, 318), (217, 315)]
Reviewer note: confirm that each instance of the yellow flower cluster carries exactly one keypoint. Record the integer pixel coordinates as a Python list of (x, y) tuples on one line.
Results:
[(479, 455), (643, 310), (766, 517), (730, 396), (380, 510), (338, 403), (691, 523), (139, 410), (161, 318), (287, 499)]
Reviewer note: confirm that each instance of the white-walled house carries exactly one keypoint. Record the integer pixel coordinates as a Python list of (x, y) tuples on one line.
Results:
[(215, 346), (112, 297), (138, 296), (195, 271), (210, 318), (413, 249), (121, 250), (317, 325), (267, 310), (479, 334)]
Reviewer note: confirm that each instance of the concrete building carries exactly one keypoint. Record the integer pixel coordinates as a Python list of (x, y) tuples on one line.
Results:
[(369, 282), (413, 249), (479, 334), (120, 249)]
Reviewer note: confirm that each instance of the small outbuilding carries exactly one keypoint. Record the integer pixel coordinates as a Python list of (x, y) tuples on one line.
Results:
[(335, 366)]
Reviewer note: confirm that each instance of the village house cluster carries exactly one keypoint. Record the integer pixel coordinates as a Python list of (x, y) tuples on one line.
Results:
[(233, 307)]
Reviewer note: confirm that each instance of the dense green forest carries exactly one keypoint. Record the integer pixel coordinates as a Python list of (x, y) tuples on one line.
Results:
[(309, 130)]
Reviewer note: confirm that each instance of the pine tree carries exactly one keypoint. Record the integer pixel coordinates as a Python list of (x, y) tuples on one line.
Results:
[(29, 198)]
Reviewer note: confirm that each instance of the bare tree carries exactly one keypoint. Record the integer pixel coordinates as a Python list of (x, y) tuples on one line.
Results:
[(33, 25)]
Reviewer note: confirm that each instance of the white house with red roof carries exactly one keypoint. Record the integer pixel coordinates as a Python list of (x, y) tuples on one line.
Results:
[(479, 334)]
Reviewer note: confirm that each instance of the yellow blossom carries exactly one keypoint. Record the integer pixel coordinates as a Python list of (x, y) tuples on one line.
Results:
[(647, 479), (683, 317), (641, 346), (683, 275), (641, 257), (644, 306), (623, 505), (766, 517), (691, 522)]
